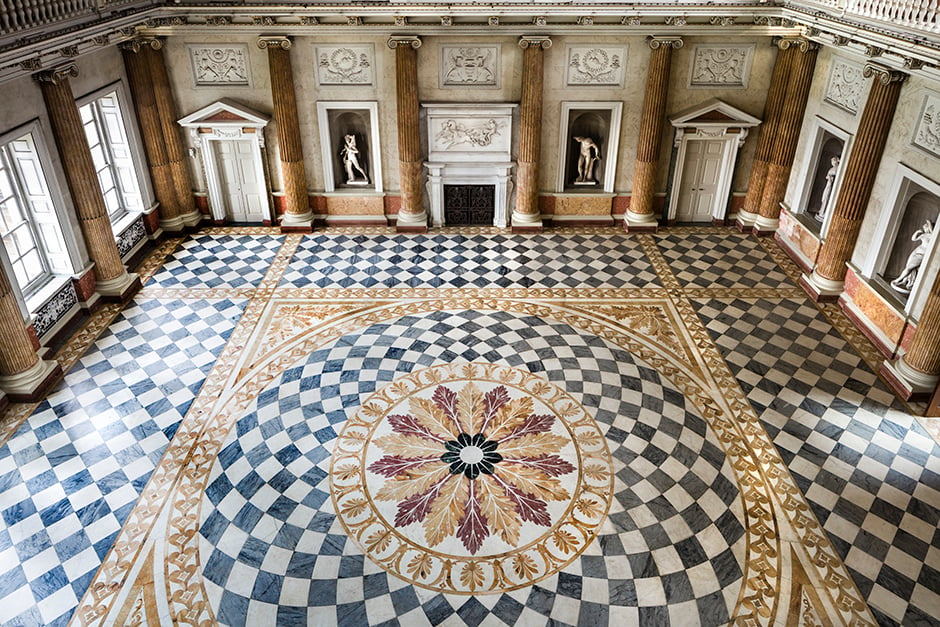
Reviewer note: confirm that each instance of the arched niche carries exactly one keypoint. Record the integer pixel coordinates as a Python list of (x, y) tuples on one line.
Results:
[(814, 202), (597, 122), (911, 242), (357, 119)]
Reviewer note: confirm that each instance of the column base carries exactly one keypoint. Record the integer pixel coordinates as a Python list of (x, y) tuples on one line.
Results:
[(31, 385), (908, 384), (821, 289), (297, 222), (412, 222), (640, 222), (192, 220), (173, 226), (745, 220), (119, 289), (765, 226), (526, 223)]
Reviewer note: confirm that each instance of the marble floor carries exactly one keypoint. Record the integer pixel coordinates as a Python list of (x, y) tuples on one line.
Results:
[(469, 427)]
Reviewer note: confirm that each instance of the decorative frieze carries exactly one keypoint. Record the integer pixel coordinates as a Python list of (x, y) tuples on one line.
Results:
[(845, 85), (220, 64), (345, 65), (927, 131), (720, 66), (469, 65), (54, 309), (595, 65)]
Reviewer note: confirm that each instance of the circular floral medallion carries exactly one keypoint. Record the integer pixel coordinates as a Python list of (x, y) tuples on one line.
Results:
[(471, 478)]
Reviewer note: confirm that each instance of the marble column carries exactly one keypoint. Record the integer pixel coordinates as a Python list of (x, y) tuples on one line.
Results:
[(23, 376), (827, 279), (527, 216), (176, 153), (412, 217), (640, 215), (112, 280), (138, 75), (776, 96), (297, 213), (786, 135), (915, 374)]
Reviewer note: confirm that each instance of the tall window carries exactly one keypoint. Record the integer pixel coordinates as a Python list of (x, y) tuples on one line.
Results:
[(111, 151), (29, 225)]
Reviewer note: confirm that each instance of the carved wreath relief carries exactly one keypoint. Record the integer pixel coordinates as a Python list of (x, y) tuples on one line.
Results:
[(845, 85), (595, 65), (927, 133), (720, 66), (220, 65), (469, 65), (345, 65)]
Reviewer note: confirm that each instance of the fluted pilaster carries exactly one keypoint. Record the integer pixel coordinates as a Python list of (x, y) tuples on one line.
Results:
[(859, 177), (776, 96), (297, 215), (786, 134), (411, 214), (138, 73), (527, 216), (172, 134), (111, 277), (640, 214)]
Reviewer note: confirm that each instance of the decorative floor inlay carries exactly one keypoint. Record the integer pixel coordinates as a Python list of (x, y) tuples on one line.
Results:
[(472, 478), (468, 427)]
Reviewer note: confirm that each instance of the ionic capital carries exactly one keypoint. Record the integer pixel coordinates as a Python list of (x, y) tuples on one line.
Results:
[(138, 43), (802, 43), (399, 41), (542, 41), (656, 42), (57, 75), (276, 41), (884, 75)]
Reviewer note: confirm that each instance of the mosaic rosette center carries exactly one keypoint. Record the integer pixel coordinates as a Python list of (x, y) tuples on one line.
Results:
[(472, 478)]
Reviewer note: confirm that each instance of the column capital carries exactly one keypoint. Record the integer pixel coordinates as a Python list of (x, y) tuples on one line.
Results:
[(275, 41), (542, 41), (801, 43), (404, 41), (883, 73), (57, 75), (139, 43), (656, 41)]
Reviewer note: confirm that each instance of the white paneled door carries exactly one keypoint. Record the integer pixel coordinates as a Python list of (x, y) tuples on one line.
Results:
[(240, 191), (701, 178)]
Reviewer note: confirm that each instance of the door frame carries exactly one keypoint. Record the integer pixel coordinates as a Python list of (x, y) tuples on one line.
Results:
[(709, 120), (225, 120)]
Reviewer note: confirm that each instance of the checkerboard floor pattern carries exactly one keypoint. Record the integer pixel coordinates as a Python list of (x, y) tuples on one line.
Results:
[(217, 261), (722, 259), (547, 260), (869, 470), (71, 474), (668, 553)]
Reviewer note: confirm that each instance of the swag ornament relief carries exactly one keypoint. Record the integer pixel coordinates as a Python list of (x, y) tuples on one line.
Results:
[(472, 478), (927, 133), (345, 65), (720, 66), (845, 85), (595, 65), (220, 65)]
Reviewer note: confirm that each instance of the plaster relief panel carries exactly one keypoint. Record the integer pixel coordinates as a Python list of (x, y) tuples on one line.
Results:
[(220, 64), (720, 66), (845, 85), (345, 65), (469, 65), (595, 65), (927, 132)]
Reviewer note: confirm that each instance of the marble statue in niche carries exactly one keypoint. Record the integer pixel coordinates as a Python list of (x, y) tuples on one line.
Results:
[(724, 66), (219, 65), (588, 157), (595, 65), (469, 65), (904, 282), (827, 190), (350, 155)]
